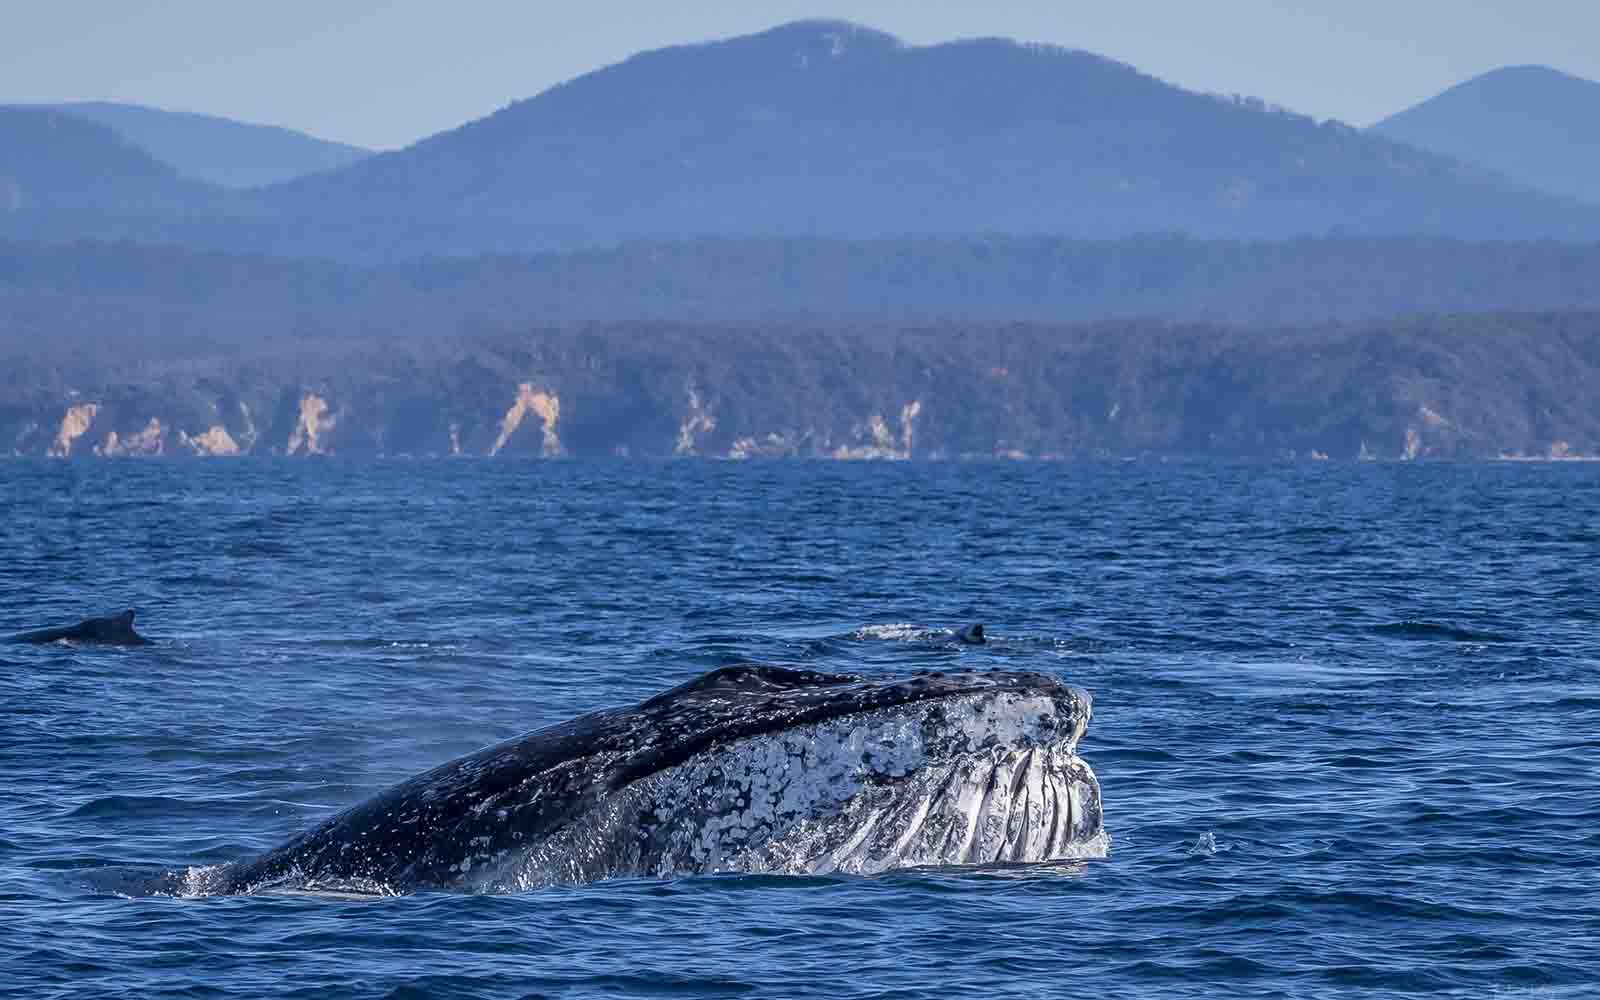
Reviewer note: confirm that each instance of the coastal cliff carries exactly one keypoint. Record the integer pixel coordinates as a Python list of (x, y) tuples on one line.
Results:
[(1490, 386)]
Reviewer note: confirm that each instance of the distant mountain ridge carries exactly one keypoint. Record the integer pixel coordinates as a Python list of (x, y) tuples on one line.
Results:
[(63, 178), (1534, 124), (829, 129), (217, 150), (833, 131)]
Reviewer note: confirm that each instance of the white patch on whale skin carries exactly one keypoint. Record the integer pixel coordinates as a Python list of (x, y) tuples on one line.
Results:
[(974, 780)]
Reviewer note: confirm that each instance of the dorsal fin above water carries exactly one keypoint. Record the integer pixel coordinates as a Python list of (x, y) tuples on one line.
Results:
[(112, 630)]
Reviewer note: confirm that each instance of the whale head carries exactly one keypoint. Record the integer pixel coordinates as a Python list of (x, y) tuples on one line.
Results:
[(745, 769), (801, 772)]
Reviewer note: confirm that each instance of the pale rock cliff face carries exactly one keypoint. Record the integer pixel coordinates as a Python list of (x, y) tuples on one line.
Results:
[(74, 425), (1429, 434), (769, 445), (246, 438), (151, 441), (881, 442), (215, 441), (309, 434), (908, 426), (1559, 451), (1413, 445), (697, 421), (1030, 394), (546, 406)]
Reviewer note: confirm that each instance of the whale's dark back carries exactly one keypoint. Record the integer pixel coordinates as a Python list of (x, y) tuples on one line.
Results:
[(517, 793), (115, 630)]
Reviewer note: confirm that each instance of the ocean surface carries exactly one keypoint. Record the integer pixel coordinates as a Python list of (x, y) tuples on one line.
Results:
[(1347, 717)]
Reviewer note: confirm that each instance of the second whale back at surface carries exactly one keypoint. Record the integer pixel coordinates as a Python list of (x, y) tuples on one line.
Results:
[(113, 630), (972, 635)]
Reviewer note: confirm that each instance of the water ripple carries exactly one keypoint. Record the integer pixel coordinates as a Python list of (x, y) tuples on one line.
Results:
[(1344, 718)]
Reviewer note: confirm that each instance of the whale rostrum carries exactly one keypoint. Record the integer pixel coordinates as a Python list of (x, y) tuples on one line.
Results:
[(745, 769)]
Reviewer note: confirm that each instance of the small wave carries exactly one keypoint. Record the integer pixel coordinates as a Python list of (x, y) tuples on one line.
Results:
[(377, 643), (126, 806), (255, 548), (1356, 762), (1206, 845), (1425, 631), (1570, 701), (350, 893), (1066, 867), (807, 579), (131, 881), (347, 889), (200, 881)]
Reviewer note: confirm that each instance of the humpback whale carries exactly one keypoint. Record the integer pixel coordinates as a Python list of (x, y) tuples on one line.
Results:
[(116, 630), (745, 769)]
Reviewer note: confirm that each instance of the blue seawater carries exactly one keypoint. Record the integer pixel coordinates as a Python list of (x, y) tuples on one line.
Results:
[(1347, 717)]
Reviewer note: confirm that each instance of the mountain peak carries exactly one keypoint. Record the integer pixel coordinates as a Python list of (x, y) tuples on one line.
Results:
[(1533, 124), (217, 150), (1527, 72), (796, 45), (1517, 89), (839, 36)]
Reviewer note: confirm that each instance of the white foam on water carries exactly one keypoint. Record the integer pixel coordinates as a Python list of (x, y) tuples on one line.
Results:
[(896, 632)]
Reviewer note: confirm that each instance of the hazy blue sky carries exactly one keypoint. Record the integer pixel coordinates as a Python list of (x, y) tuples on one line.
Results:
[(386, 72)]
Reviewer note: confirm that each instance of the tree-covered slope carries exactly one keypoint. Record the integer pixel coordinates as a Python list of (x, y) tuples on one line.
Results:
[(1478, 386), (62, 177), (128, 291)]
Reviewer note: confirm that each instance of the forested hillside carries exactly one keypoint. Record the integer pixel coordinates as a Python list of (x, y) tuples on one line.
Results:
[(1444, 387), (131, 291), (63, 177), (218, 150)]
